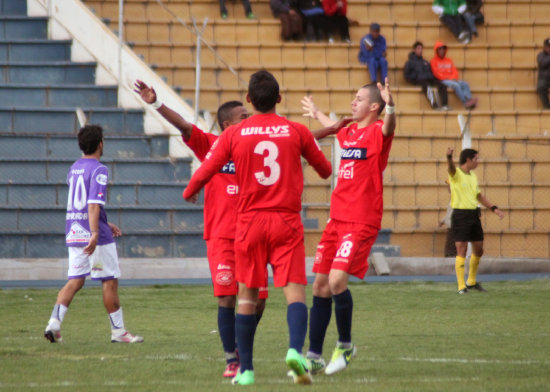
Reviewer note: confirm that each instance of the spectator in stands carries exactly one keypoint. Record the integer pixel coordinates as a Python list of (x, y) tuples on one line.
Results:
[(450, 14), (473, 15), (444, 69), (291, 20), (336, 11), (372, 52), (418, 72), (247, 9), (543, 61), (314, 19)]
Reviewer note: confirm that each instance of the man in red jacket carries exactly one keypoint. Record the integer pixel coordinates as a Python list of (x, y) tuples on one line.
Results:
[(336, 10), (444, 69)]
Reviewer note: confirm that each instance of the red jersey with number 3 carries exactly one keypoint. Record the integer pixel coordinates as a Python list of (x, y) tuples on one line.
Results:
[(358, 193), (266, 149), (221, 192)]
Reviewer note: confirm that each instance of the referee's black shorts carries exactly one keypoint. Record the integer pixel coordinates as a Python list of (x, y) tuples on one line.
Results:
[(466, 226)]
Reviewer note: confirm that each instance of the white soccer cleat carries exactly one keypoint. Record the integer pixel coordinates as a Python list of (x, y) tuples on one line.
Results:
[(53, 331), (340, 359), (126, 337), (316, 365)]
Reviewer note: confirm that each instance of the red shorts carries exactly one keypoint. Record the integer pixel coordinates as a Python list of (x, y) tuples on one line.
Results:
[(270, 237), (221, 259), (345, 246)]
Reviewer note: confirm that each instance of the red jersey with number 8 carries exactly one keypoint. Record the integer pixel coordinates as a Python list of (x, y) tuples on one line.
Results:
[(266, 150), (358, 193)]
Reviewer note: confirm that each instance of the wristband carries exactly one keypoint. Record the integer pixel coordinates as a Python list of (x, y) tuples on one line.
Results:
[(390, 109), (493, 208), (157, 104)]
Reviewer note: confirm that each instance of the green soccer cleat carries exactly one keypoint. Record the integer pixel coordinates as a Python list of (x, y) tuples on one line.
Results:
[(246, 378), (340, 359), (250, 15), (298, 364)]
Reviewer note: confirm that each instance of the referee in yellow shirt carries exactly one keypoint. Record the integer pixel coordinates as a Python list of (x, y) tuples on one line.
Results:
[(465, 223)]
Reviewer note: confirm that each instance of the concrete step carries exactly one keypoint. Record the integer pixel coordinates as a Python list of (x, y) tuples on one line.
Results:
[(49, 219), (13, 7), (22, 27), (53, 73), (64, 120), (22, 95), (120, 194), (131, 244), (59, 146), (33, 51), (55, 169)]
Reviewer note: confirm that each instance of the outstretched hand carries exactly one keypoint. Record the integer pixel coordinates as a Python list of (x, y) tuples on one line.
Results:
[(146, 93), (385, 92), (450, 152), (309, 108)]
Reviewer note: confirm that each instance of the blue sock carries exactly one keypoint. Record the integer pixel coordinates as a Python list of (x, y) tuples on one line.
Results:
[(319, 318), (343, 309), (296, 318), (245, 328), (226, 326)]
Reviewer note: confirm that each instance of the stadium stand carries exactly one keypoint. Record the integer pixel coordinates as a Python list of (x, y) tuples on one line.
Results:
[(40, 89), (508, 127)]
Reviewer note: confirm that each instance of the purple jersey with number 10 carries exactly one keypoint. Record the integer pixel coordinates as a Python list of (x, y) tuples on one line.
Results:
[(87, 180)]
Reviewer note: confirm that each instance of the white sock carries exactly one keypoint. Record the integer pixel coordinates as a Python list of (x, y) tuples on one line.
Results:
[(312, 355), (117, 323), (58, 313), (345, 345)]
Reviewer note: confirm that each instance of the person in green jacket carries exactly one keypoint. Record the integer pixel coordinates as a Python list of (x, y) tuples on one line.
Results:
[(450, 13)]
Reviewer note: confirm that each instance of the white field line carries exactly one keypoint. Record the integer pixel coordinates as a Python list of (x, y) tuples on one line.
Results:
[(476, 361)]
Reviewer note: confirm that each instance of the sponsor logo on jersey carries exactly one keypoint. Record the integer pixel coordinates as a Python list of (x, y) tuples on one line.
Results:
[(78, 171), (101, 179), (76, 216), (354, 153), (228, 168), (346, 171), (224, 278), (347, 144), (273, 131), (223, 267), (100, 194), (97, 267), (77, 234)]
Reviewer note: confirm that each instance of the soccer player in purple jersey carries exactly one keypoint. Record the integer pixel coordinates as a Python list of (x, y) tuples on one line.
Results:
[(89, 238)]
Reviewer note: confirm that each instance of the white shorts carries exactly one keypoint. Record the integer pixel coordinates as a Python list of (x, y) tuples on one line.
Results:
[(102, 264)]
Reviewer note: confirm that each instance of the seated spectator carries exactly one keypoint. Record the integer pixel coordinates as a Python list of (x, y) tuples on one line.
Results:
[(291, 20), (336, 11), (372, 52), (247, 9), (450, 14), (419, 72), (314, 19), (444, 69), (473, 15), (543, 84)]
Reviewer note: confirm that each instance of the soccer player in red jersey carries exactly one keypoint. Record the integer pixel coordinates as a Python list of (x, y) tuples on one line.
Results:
[(355, 217), (266, 149), (220, 215)]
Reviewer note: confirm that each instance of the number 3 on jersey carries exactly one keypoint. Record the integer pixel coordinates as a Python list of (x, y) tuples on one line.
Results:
[(269, 162)]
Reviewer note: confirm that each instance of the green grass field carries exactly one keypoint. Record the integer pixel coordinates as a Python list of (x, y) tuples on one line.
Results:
[(410, 337)]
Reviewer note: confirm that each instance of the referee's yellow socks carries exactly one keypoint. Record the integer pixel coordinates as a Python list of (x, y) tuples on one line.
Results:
[(459, 269), (474, 263)]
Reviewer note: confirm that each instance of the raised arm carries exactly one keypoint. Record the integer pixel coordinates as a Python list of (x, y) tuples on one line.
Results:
[(389, 118), (451, 169), (148, 95), (310, 110), (332, 129)]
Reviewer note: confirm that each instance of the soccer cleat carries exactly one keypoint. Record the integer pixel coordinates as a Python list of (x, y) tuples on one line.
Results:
[(231, 369), (298, 364), (53, 335), (463, 291), (246, 378), (476, 286), (316, 365), (250, 15), (340, 359), (126, 337)]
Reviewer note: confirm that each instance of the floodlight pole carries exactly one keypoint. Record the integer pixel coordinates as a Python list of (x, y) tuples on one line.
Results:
[(198, 66)]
